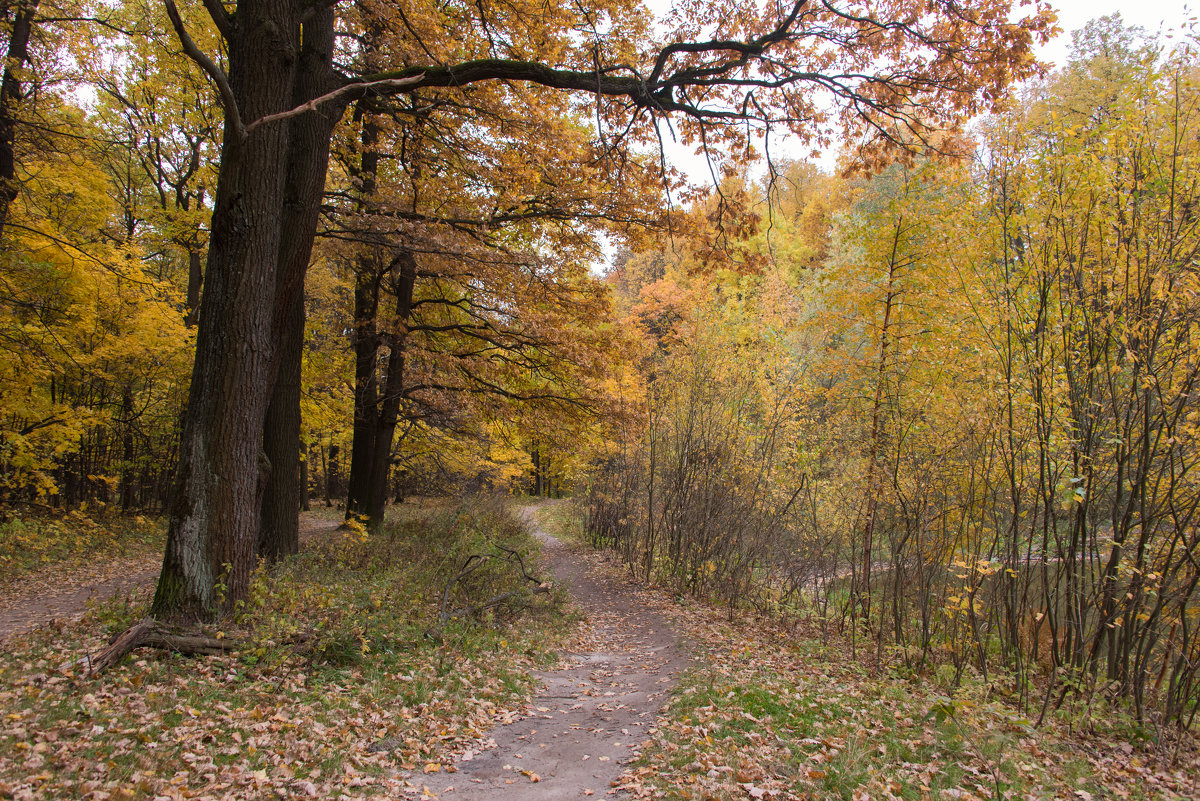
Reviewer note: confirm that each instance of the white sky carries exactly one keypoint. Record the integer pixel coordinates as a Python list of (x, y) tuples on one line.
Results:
[(1167, 16), (1153, 15)]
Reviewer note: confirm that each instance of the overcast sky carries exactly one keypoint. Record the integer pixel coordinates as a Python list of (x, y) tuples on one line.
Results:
[(1153, 15), (1166, 15)]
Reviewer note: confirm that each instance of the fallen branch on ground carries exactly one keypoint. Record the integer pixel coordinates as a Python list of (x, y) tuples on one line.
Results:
[(473, 563), (149, 633)]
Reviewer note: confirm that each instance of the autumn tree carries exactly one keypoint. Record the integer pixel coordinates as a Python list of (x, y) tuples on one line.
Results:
[(93, 348), (473, 217), (282, 92), (160, 127)]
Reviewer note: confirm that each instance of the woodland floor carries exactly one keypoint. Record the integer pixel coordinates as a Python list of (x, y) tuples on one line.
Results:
[(63, 592), (595, 696)]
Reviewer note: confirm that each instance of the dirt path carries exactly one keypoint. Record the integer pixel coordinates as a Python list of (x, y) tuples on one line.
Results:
[(58, 595), (590, 717)]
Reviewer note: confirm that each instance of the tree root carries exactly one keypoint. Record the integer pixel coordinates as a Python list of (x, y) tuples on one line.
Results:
[(149, 633)]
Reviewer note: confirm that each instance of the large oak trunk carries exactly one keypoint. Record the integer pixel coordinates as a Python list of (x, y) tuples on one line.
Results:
[(213, 526), (308, 162)]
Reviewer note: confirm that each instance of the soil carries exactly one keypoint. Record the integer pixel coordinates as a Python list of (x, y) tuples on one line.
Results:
[(58, 595), (592, 714)]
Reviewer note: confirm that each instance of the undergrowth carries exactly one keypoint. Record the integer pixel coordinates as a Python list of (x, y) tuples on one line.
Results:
[(29, 543), (786, 713), (780, 709), (340, 692)]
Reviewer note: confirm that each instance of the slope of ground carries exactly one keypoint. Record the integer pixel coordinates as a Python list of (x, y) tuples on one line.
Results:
[(62, 591)]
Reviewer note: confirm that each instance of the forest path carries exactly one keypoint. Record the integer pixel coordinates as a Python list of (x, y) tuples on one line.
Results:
[(591, 716), (62, 594)]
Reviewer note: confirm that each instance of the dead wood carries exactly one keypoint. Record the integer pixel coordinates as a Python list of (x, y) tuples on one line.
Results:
[(495, 600), (473, 563), (150, 633)]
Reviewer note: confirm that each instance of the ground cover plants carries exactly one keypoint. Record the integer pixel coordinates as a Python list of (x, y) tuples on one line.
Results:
[(786, 708), (775, 712), (339, 690)]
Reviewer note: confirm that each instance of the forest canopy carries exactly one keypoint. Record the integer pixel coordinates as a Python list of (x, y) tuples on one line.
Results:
[(264, 254)]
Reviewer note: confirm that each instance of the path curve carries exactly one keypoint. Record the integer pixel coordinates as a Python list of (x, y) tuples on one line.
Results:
[(591, 716), (66, 598)]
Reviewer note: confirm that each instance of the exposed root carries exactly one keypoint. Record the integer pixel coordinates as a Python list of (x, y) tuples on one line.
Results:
[(149, 633)]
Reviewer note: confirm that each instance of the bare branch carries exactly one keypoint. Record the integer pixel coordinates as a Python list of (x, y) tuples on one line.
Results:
[(228, 101), (349, 91)]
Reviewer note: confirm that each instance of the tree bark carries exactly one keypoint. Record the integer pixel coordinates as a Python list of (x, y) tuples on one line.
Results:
[(366, 391), (10, 98), (405, 265), (332, 475), (278, 527), (368, 275), (212, 533), (195, 281), (308, 162), (537, 472), (305, 503)]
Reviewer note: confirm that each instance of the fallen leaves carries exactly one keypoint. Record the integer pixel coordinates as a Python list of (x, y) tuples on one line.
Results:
[(269, 724), (775, 713)]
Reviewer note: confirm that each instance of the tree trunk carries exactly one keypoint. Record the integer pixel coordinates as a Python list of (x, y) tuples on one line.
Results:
[(333, 475), (368, 275), (278, 528), (875, 451), (305, 503), (127, 449), (10, 98), (195, 281), (366, 401), (212, 533), (325, 476), (389, 412), (308, 162)]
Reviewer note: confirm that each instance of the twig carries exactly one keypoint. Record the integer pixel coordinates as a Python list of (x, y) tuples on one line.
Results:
[(473, 563)]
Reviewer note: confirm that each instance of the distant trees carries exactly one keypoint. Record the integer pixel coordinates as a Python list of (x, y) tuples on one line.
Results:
[(93, 347), (721, 66), (993, 401)]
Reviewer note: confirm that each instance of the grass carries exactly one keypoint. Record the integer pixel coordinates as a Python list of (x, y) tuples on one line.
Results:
[(340, 692), (563, 519), (31, 544)]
